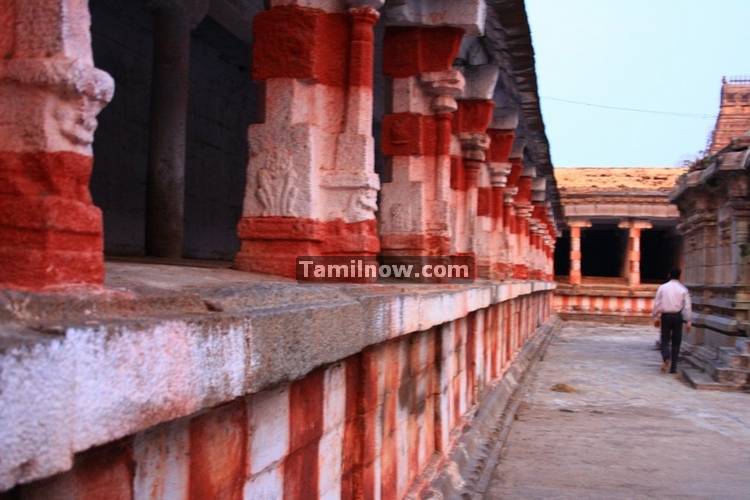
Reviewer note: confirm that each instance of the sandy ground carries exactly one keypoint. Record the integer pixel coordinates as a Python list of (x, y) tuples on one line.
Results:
[(627, 432)]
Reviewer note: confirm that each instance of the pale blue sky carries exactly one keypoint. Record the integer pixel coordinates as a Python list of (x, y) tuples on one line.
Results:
[(665, 55)]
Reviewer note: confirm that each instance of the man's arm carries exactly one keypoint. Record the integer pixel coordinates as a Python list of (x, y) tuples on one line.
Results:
[(687, 310), (656, 310)]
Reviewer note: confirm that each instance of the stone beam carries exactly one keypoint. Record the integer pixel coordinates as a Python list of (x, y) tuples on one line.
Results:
[(469, 15)]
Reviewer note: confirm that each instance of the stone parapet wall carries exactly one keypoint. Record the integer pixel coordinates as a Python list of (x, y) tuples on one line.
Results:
[(314, 391), (613, 303)]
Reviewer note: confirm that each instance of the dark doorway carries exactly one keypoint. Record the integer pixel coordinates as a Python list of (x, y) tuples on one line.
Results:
[(562, 255), (222, 102), (603, 248), (660, 250)]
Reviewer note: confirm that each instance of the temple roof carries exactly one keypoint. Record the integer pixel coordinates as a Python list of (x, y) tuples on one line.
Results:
[(734, 113), (626, 180), (508, 40)]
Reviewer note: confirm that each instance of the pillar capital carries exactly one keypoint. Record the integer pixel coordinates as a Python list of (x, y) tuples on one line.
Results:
[(370, 4), (579, 223), (499, 173), (474, 145), (634, 224)]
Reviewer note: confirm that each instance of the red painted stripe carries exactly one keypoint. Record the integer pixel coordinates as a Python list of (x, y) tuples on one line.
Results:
[(389, 457), (305, 431), (471, 360), (218, 452), (103, 472), (494, 334)]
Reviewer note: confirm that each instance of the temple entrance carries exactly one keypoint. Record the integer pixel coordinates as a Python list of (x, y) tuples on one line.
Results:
[(171, 148), (562, 256), (603, 248), (660, 250)]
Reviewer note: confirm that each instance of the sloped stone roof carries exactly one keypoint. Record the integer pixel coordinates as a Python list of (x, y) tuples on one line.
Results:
[(613, 179), (508, 40)]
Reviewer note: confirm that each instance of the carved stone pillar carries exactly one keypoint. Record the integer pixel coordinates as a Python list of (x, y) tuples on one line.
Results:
[(523, 206), (633, 256), (420, 46), (575, 249), (511, 220), (470, 124), (311, 185), (50, 94), (539, 226), (501, 142), (415, 212)]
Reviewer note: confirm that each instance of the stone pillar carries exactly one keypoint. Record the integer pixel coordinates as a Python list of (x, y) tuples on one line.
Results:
[(170, 84), (471, 120), (421, 43), (414, 216), (538, 197), (633, 256), (501, 135), (311, 185), (575, 249), (510, 220), (50, 94), (523, 207)]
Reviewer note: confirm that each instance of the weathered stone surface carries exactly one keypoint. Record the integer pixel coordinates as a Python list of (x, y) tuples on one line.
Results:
[(573, 445), (469, 16), (248, 336)]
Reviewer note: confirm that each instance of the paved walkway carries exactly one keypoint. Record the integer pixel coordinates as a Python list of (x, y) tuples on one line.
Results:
[(628, 431)]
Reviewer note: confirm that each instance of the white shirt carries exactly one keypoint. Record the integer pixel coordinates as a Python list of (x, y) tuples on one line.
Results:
[(673, 297)]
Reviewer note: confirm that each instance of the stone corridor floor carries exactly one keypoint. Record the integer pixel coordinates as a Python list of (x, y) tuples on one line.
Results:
[(627, 432)]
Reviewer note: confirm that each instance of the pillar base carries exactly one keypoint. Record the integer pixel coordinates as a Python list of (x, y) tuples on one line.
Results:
[(415, 244), (271, 245), (520, 271), (50, 231), (502, 271)]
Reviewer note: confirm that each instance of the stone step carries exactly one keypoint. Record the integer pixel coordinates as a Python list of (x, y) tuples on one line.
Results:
[(731, 376), (698, 379), (733, 358), (742, 345)]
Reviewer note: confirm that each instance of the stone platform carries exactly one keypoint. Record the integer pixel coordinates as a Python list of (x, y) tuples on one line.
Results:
[(278, 382)]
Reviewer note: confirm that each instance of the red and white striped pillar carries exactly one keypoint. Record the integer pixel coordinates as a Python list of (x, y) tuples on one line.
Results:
[(311, 184), (50, 94)]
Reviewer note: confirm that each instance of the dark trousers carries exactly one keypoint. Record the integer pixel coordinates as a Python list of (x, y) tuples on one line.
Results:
[(671, 332)]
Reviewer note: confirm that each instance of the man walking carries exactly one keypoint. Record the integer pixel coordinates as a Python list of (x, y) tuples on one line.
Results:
[(672, 307)]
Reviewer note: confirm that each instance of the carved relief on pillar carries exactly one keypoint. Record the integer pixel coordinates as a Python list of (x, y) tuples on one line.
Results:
[(50, 94)]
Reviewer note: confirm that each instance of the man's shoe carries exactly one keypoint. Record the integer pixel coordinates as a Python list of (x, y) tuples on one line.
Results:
[(665, 366)]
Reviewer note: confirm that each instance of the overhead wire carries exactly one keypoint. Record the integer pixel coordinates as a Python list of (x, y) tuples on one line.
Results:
[(634, 110)]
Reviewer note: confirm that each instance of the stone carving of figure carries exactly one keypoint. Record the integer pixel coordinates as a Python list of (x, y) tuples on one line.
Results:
[(362, 204), (276, 190)]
